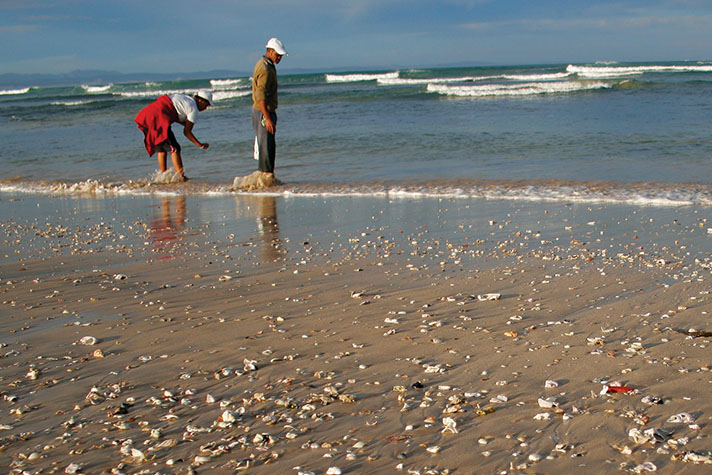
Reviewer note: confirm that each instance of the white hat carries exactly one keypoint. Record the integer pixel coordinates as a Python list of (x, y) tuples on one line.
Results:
[(205, 94), (277, 45)]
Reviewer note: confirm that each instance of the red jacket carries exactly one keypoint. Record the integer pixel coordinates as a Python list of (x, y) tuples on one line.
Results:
[(155, 121)]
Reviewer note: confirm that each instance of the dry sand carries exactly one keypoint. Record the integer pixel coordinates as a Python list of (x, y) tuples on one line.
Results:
[(430, 358)]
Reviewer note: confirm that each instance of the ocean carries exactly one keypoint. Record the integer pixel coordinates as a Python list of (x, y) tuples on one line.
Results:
[(604, 132)]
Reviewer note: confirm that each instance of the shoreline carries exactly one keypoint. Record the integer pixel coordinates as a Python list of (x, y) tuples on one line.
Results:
[(377, 345)]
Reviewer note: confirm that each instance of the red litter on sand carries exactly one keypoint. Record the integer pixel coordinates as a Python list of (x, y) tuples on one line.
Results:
[(619, 389)]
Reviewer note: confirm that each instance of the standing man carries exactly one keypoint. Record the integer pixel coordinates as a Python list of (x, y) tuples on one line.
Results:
[(264, 105), (155, 121)]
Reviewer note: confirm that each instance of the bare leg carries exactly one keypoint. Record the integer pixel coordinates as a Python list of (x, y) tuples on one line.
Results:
[(177, 163), (161, 161)]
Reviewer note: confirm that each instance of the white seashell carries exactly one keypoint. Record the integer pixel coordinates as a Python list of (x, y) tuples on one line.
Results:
[(33, 374), (433, 449), (542, 416), (137, 455), (225, 278), (550, 384), (209, 399), (333, 471), (682, 418), (88, 340), (486, 297), (228, 416), (535, 457), (500, 398), (694, 457), (249, 365), (547, 403), (119, 276), (449, 425), (637, 436), (73, 468), (6, 427), (645, 467), (201, 459)]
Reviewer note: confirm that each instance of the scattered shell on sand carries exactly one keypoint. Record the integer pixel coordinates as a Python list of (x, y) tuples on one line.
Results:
[(88, 340), (490, 296)]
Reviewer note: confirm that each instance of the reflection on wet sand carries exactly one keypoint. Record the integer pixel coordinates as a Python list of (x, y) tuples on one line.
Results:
[(166, 226), (264, 210)]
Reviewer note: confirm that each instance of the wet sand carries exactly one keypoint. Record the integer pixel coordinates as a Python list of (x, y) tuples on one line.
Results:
[(365, 352)]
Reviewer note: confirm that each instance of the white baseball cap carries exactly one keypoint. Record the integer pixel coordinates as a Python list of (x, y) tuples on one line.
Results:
[(277, 45), (205, 94)]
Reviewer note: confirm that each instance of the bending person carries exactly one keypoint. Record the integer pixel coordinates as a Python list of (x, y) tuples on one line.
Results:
[(155, 121)]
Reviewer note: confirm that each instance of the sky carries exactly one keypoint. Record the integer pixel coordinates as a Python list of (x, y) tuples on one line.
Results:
[(165, 36)]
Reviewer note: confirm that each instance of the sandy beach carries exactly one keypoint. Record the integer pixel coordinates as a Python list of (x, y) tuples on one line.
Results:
[(376, 351)]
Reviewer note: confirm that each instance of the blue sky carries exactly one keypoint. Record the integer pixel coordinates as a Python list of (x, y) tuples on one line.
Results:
[(129, 36)]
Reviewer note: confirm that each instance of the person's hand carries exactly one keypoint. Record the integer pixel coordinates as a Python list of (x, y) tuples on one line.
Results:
[(205, 146), (269, 125)]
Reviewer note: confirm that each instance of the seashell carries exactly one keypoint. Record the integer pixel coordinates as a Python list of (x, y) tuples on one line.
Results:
[(88, 340), (156, 433), (227, 416), (682, 418), (651, 400), (486, 297), (119, 276), (645, 467), (73, 468), (694, 457), (548, 402), (449, 425), (333, 471), (138, 456), (201, 459), (535, 457), (637, 436), (209, 399), (551, 384), (98, 353), (225, 278), (249, 365), (542, 416), (33, 374), (433, 449), (501, 398)]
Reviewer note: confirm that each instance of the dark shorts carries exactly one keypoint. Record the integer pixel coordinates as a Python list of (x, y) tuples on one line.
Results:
[(168, 146)]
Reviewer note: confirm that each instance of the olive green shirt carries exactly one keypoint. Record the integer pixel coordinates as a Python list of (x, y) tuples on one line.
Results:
[(264, 84)]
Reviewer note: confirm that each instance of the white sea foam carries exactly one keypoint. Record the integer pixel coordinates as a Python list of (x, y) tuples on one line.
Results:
[(646, 195), (525, 89), (70, 103), (156, 93), (96, 89), (617, 71), (224, 95), (398, 81), (360, 77), (222, 84), (10, 92), (537, 77)]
